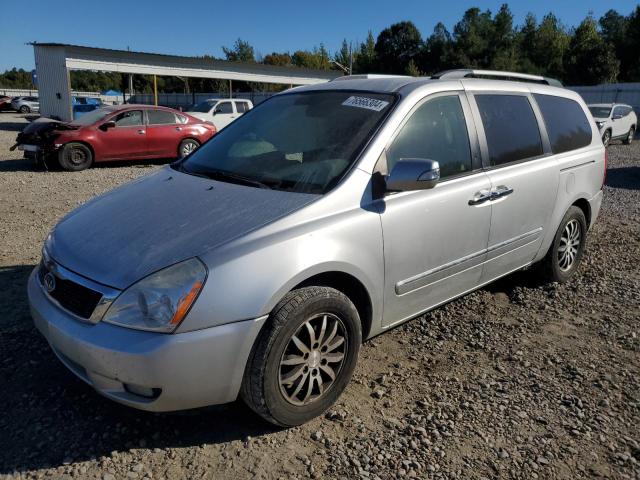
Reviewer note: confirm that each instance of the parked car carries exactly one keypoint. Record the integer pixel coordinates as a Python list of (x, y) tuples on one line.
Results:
[(25, 104), (82, 105), (5, 103), (128, 132), (219, 111), (615, 121), (329, 214)]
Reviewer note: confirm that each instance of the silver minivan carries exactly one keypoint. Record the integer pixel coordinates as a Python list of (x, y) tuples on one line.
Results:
[(328, 214)]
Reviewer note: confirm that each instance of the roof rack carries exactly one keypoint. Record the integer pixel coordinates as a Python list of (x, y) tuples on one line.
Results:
[(496, 75), (367, 76)]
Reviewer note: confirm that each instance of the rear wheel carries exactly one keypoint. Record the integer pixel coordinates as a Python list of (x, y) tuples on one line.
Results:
[(565, 254), (630, 135), (25, 109), (304, 357), (606, 138), (74, 157), (187, 147)]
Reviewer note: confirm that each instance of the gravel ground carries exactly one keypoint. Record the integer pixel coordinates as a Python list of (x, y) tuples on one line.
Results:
[(517, 380)]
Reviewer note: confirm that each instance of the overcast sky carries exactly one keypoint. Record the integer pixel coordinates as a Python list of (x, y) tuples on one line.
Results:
[(198, 27)]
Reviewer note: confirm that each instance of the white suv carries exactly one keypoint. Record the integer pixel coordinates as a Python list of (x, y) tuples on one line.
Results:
[(220, 112), (615, 121)]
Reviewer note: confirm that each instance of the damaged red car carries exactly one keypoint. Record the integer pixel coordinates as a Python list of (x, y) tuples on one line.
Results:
[(126, 132)]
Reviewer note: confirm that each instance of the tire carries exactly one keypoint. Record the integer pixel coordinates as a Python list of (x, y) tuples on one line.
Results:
[(630, 135), (24, 109), (556, 266), (606, 138), (74, 157), (265, 388), (187, 147)]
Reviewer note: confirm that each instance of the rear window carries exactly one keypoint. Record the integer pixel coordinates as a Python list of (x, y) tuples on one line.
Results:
[(160, 117), (567, 125), (510, 127)]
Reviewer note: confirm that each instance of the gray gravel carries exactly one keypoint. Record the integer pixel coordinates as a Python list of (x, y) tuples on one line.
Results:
[(517, 380)]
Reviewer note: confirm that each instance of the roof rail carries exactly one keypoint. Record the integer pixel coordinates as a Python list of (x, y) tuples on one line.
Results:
[(496, 75), (366, 76)]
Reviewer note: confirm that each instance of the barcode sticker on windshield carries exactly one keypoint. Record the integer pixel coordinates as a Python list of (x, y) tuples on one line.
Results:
[(364, 102)]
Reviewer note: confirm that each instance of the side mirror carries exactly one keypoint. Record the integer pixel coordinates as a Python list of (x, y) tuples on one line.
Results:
[(413, 174), (107, 125)]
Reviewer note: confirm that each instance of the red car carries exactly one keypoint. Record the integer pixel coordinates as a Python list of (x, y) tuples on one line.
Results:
[(5, 103), (125, 132)]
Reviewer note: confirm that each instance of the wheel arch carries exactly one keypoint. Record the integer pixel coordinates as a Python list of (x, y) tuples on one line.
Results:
[(583, 204)]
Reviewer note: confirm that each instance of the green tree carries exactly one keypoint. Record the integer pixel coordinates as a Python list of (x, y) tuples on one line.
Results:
[(240, 52), (503, 52), (472, 36), (396, 46), (280, 59), (436, 54), (589, 59), (343, 56), (366, 61), (317, 59), (630, 65)]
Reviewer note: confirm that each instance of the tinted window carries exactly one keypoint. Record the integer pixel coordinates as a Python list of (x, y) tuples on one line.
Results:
[(224, 107), (129, 118), (160, 117), (600, 112), (435, 131), (566, 123), (181, 118), (241, 107), (510, 127)]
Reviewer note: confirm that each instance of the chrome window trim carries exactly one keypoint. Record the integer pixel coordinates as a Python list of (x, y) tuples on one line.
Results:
[(108, 294)]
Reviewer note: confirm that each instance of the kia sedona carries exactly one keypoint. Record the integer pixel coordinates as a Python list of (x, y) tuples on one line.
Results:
[(328, 214)]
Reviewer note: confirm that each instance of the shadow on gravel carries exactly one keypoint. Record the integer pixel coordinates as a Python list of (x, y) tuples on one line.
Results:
[(528, 278), (49, 417), (29, 165), (625, 177)]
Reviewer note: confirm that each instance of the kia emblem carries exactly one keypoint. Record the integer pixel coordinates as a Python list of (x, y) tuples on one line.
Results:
[(49, 282)]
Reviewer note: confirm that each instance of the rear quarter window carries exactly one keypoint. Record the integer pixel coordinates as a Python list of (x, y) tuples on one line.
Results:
[(567, 125), (510, 127)]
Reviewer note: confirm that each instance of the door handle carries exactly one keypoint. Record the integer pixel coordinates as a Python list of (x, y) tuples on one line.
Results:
[(179, 129), (500, 191), (141, 132), (480, 197)]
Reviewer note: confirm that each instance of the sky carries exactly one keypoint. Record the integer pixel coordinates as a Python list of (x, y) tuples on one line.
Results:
[(198, 27)]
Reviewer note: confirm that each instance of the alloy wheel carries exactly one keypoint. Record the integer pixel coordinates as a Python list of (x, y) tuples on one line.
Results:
[(569, 245), (188, 148), (606, 138), (312, 359)]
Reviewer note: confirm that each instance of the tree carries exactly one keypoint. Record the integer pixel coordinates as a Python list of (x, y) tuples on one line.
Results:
[(280, 59), (436, 53), (503, 54), (317, 59), (366, 60), (628, 54), (343, 56), (240, 52), (590, 60), (397, 46), (412, 69)]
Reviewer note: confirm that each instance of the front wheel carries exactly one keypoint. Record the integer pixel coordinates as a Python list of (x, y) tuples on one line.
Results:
[(630, 135), (606, 138), (565, 254), (304, 357), (187, 147), (25, 109), (74, 157)]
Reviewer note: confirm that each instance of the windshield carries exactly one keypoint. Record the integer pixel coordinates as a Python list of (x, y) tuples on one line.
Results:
[(202, 107), (92, 117), (600, 112), (300, 142)]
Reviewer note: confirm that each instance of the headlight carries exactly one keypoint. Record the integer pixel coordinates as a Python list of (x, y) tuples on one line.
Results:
[(600, 124), (160, 301)]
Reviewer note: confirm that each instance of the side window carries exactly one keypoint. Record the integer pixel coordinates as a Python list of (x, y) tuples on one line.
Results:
[(129, 118), (510, 127), (160, 117), (181, 118), (566, 123), (436, 131), (224, 107), (241, 107)]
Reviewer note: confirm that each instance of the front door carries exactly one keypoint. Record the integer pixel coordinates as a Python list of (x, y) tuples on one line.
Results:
[(223, 114), (128, 139), (524, 178), (435, 240), (164, 134)]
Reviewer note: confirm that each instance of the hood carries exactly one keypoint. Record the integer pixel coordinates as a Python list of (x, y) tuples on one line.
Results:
[(41, 130), (601, 119), (158, 220)]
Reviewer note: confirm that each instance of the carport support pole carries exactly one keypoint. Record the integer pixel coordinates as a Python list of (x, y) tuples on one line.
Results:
[(155, 90), (230, 90)]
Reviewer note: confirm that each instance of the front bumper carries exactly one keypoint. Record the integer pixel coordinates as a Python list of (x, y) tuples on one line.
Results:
[(186, 370)]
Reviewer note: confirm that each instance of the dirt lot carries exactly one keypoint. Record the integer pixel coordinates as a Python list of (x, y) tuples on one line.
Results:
[(517, 380)]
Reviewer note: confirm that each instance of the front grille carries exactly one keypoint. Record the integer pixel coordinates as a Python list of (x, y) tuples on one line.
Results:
[(71, 296)]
